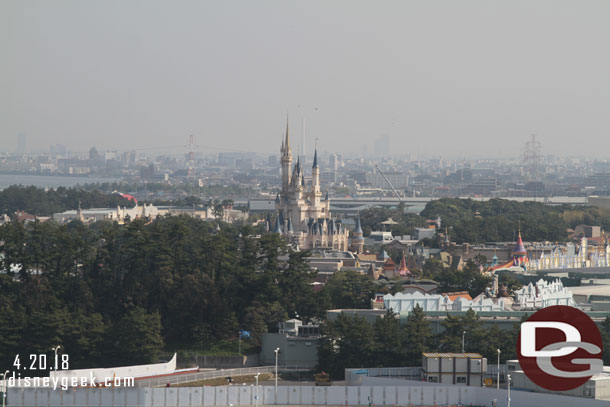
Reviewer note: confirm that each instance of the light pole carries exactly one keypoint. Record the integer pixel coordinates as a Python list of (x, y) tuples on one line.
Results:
[(463, 335), (4, 387), (498, 384), (508, 384), (256, 377), (277, 351), (55, 349)]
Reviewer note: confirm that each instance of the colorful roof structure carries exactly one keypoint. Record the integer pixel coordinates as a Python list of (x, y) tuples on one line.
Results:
[(402, 269)]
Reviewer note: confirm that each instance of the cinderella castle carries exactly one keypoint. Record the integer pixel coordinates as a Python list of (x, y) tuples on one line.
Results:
[(303, 216)]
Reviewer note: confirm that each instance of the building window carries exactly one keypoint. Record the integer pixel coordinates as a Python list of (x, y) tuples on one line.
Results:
[(461, 380), (432, 379)]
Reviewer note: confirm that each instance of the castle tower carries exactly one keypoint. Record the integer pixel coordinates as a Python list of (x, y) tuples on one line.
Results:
[(304, 217), (358, 239), (316, 194), (286, 160), (519, 253)]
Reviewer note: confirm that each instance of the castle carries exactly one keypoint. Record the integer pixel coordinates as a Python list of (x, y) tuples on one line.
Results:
[(303, 216)]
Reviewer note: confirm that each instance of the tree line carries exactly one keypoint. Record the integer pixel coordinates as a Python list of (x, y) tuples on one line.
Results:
[(119, 294), (352, 342), (41, 202)]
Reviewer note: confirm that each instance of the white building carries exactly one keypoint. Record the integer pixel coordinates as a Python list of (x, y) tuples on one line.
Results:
[(406, 302), (543, 294), (113, 214)]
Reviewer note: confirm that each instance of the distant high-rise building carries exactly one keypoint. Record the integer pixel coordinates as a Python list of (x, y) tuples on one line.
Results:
[(333, 162), (57, 149), (93, 154), (21, 144), (382, 145)]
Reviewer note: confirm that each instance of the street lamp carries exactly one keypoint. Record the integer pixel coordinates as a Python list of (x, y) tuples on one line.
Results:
[(508, 384), (463, 334), (277, 351), (55, 349), (4, 387), (256, 377), (498, 384)]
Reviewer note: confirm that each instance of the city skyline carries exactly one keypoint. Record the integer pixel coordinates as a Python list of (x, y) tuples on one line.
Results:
[(439, 78)]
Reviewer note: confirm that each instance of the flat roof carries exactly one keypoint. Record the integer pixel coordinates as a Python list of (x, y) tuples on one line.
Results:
[(591, 289), (451, 355)]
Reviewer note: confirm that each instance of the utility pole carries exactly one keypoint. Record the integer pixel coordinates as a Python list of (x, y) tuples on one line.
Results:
[(498, 383), (463, 335)]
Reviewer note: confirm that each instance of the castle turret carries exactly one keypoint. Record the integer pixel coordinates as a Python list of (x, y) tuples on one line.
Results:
[(286, 160), (357, 237)]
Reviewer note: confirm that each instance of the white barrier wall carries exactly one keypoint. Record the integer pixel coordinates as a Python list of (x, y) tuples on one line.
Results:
[(287, 395), (119, 372)]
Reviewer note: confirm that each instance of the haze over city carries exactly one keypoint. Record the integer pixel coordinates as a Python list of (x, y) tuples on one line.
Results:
[(440, 78)]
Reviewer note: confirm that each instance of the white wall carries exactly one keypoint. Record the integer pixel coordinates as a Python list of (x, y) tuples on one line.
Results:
[(288, 395), (119, 372)]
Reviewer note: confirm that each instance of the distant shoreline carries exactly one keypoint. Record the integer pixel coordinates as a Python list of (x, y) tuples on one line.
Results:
[(45, 174), (50, 180)]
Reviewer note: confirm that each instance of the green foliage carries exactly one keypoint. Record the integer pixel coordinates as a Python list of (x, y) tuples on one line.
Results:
[(113, 294), (352, 342), (417, 337), (38, 201), (407, 222), (349, 289), (498, 220), (605, 331), (348, 342), (468, 279)]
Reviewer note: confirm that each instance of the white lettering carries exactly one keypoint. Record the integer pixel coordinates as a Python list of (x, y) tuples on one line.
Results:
[(528, 338)]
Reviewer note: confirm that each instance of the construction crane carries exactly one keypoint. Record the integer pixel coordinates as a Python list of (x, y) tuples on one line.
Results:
[(389, 183)]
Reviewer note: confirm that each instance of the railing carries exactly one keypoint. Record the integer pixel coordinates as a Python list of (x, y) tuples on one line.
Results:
[(213, 374), (353, 376)]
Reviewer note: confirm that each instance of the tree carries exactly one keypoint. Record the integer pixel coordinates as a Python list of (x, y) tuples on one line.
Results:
[(349, 289), (451, 338), (418, 337), (137, 337), (348, 342), (388, 340)]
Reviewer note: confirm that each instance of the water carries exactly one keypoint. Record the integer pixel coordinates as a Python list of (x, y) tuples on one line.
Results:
[(49, 181)]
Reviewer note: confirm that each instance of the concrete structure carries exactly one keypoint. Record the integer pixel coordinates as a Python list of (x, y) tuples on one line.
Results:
[(298, 345), (462, 369), (597, 387), (303, 217)]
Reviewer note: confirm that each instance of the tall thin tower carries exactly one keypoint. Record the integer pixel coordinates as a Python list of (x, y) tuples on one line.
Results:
[(531, 158)]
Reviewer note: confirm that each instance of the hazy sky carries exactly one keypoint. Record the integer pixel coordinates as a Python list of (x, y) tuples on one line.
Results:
[(440, 77)]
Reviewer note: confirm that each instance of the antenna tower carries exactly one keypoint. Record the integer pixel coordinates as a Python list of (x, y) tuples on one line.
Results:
[(531, 157)]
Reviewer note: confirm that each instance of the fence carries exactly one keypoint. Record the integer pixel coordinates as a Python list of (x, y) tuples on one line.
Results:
[(288, 395), (186, 360), (352, 376)]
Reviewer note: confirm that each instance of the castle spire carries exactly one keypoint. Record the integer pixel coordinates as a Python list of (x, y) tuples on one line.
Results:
[(287, 142), (315, 159)]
